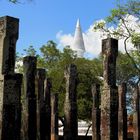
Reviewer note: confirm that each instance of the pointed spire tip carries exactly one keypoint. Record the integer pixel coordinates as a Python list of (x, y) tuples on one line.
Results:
[(78, 23)]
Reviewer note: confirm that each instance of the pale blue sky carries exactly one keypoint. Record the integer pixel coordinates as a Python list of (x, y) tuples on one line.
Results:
[(41, 20)]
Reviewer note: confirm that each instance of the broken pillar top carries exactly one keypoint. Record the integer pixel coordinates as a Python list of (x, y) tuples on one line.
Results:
[(110, 46), (30, 62), (71, 70), (9, 26), (41, 73), (29, 67), (110, 53)]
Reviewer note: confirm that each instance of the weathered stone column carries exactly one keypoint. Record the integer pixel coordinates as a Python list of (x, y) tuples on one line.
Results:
[(70, 107), (8, 36), (10, 106), (10, 83), (47, 115), (54, 116), (29, 64), (96, 113), (41, 75), (136, 116), (109, 97), (122, 114)]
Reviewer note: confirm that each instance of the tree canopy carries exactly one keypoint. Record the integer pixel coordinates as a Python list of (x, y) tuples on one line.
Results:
[(89, 72), (124, 23), (55, 61)]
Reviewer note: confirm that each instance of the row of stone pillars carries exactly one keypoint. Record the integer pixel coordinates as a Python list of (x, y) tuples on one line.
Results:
[(38, 121), (121, 123), (35, 110), (45, 119), (109, 113), (37, 105), (31, 117)]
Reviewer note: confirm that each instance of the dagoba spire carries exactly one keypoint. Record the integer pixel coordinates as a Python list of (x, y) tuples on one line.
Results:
[(78, 42)]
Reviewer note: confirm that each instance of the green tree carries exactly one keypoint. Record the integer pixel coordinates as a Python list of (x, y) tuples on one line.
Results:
[(121, 20), (30, 51), (55, 61), (89, 72), (86, 77), (125, 69)]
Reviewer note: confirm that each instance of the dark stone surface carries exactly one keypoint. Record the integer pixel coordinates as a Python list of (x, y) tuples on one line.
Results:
[(85, 138), (47, 115), (96, 113), (70, 107), (54, 116), (110, 53), (11, 108), (29, 64), (136, 115), (9, 27), (41, 75), (122, 113), (109, 97), (78, 138)]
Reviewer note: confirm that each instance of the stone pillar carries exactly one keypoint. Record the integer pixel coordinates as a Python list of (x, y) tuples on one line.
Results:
[(8, 37), (47, 115), (70, 106), (10, 106), (41, 75), (10, 83), (109, 97), (122, 114), (54, 116), (96, 113), (136, 116), (29, 64)]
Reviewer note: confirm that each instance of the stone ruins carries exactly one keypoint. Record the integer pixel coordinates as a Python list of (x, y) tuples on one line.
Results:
[(35, 115)]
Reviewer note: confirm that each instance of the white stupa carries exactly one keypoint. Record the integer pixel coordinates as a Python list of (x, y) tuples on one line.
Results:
[(78, 43)]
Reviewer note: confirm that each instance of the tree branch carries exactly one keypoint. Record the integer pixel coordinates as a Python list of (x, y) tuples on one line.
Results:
[(88, 129), (133, 61), (123, 21)]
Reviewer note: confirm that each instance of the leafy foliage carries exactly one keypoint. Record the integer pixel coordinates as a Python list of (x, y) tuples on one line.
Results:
[(55, 62), (136, 39), (121, 19), (89, 72), (125, 69)]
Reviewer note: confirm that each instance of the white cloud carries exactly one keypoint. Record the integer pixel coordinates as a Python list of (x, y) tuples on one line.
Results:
[(93, 39), (64, 39)]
